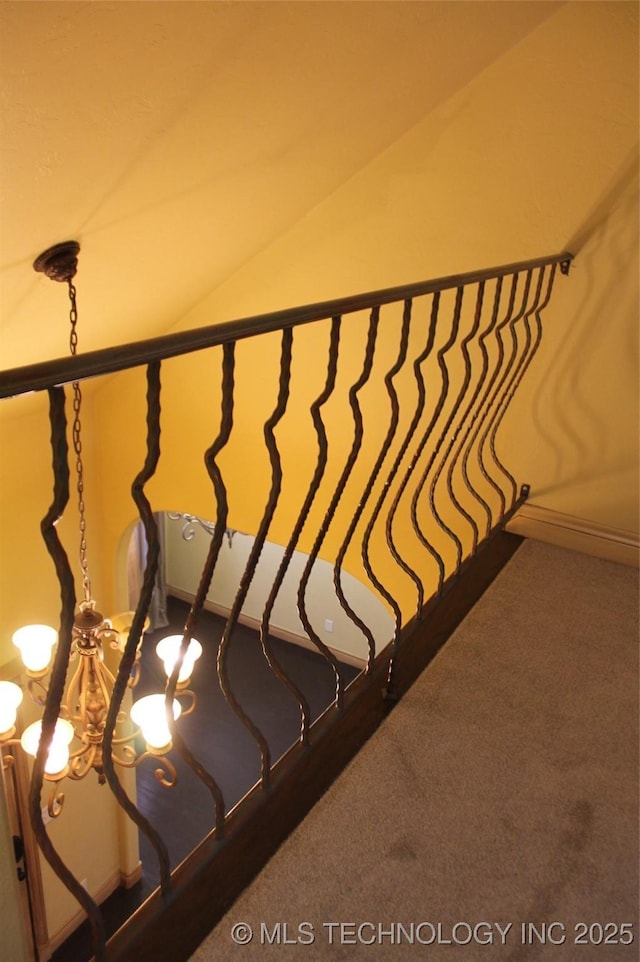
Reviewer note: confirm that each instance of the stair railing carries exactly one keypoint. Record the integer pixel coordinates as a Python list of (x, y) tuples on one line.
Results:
[(404, 484)]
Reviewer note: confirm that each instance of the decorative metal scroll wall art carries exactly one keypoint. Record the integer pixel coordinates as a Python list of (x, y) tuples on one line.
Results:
[(188, 531), (74, 743)]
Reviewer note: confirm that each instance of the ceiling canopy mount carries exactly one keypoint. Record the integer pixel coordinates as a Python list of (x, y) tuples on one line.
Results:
[(59, 262)]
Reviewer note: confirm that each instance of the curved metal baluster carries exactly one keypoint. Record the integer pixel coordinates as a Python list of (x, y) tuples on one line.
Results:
[(254, 554), (177, 740), (321, 435), (59, 671), (393, 425), (465, 434), (217, 532), (491, 434), (344, 477), (494, 404), (128, 656), (427, 434), (509, 378), (449, 447), (484, 406), (454, 413), (435, 304), (523, 366), (471, 415)]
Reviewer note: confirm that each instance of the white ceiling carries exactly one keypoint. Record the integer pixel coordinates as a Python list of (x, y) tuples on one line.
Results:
[(174, 140)]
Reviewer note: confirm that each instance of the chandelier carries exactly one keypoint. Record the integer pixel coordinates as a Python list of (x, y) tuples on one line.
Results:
[(76, 747)]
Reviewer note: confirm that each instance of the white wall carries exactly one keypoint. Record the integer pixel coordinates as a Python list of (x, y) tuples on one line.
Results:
[(185, 559)]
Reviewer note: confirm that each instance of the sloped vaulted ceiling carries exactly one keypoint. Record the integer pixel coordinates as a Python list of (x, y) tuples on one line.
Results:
[(174, 140)]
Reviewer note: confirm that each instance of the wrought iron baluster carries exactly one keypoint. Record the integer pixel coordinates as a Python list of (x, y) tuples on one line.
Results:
[(504, 399), (254, 554), (465, 434), (337, 495), (470, 416), (452, 439), (391, 431), (495, 402), (137, 626), (455, 325), (531, 350), (217, 532), (321, 435), (484, 407), (60, 451), (417, 369)]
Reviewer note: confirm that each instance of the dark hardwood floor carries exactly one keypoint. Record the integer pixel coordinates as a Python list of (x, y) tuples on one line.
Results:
[(185, 814)]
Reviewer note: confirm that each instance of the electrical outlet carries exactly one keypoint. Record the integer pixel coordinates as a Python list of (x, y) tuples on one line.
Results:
[(328, 624)]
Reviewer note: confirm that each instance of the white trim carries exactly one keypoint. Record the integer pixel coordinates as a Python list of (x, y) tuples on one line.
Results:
[(301, 640), (103, 893), (578, 534), (127, 881)]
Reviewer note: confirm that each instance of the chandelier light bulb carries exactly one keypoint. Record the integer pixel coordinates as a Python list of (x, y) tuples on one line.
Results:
[(35, 643), (10, 698), (150, 714), (58, 754), (168, 650)]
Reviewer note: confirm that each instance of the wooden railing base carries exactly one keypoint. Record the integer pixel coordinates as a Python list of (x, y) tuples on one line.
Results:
[(210, 880)]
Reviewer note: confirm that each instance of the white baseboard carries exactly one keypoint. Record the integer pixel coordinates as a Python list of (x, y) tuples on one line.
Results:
[(103, 893), (567, 531), (301, 640), (128, 880)]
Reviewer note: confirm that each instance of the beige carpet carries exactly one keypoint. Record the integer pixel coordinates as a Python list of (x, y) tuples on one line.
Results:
[(502, 790)]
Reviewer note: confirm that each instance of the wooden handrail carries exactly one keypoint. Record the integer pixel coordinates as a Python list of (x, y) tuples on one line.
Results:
[(110, 360)]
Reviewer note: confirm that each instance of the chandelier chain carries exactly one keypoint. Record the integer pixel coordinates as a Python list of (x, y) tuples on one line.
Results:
[(77, 445)]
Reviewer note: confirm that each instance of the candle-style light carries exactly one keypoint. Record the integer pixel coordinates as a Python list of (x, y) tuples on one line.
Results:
[(35, 643)]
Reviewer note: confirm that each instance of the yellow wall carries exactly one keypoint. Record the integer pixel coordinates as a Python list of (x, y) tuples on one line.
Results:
[(13, 930), (518, 163), (538, 150)]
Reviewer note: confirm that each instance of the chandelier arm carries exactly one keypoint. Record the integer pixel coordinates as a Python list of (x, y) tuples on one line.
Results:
[(126, 739), (134, 677), (193, 701), (130, 755), (86, 745), (135, 633), (165, 773), (39, 697), (8, 760), (81, 762), (106, 682), (72, 694), (106, 673), (55, 803)]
